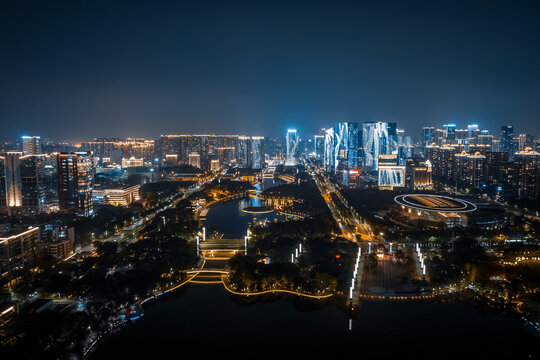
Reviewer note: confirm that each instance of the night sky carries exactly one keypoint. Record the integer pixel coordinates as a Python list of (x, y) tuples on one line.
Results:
[(83, 69)]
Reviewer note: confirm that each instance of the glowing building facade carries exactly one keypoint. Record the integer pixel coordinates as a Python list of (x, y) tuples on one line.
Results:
[(527, 175), (250, 152), (319, 146), (341, 147), (21, 182), (243, 152), (257, 152), (31, 145), (18, 250), (118, 149), (75, 182), (428, 136), (378, 138), (391, 175), (293, 148), (194, 159), (207, 146), (507, 141)]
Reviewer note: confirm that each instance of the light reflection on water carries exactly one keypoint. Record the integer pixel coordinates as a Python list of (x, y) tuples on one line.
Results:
[(206, 318), (229, 219)]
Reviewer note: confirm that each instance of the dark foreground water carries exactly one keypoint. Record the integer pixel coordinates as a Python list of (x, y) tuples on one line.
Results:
[(199, 321), (209, 321)]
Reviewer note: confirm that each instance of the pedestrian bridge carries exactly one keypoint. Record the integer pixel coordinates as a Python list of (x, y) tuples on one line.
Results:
[(208, 271)]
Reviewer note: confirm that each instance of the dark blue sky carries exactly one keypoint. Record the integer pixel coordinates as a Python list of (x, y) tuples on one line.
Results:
[(81, 69)]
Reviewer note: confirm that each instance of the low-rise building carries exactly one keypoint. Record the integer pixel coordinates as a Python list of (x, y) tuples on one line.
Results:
[(121, 196)]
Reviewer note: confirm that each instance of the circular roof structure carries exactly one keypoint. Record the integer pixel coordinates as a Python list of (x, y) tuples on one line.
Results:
[(439, 203)]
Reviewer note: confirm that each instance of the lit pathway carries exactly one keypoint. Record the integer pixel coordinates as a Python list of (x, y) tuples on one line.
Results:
[(274, 291)]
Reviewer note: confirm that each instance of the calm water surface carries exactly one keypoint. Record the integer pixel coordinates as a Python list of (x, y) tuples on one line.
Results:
[(206, 318)]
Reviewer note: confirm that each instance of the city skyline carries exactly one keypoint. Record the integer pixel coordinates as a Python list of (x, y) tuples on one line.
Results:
[(304, 135)]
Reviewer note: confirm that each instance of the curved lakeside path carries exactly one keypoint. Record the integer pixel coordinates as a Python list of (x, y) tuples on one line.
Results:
[(274, 291), (191, 280)]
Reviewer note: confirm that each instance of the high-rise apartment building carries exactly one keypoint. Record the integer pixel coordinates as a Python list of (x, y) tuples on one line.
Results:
[(428, 136), (243, 152), (118, 149), (31, 145), (21, 183), (507, 141), (251, 152), (18, 250), (449, 133), (527, 175), (476, 170), (525, 140), (75, 182), (472, 131), (257, 152), (498, 168), (226, 155), (194, 159), (207, 146)]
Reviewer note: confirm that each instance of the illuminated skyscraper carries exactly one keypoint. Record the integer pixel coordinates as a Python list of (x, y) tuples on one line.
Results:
[(75, 182), (13, 179), (507, 141), (527, 174), (449, 133), (194, 159), (243, 152), (31, 145), (329, 146), (428, 136), (257, 152), (476, 170), (378, 138), (472, 131), (293, 149), (405, 148), (525, 141), (22, 180), (319, 146), (207, 146), (341, 147), (226, 154)]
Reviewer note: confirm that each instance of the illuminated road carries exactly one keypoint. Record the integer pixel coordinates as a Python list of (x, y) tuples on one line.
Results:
[(351, 227), (346, 225)]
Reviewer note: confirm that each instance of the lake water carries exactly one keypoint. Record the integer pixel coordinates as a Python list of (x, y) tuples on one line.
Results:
[(205, 320), (231, 221)]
